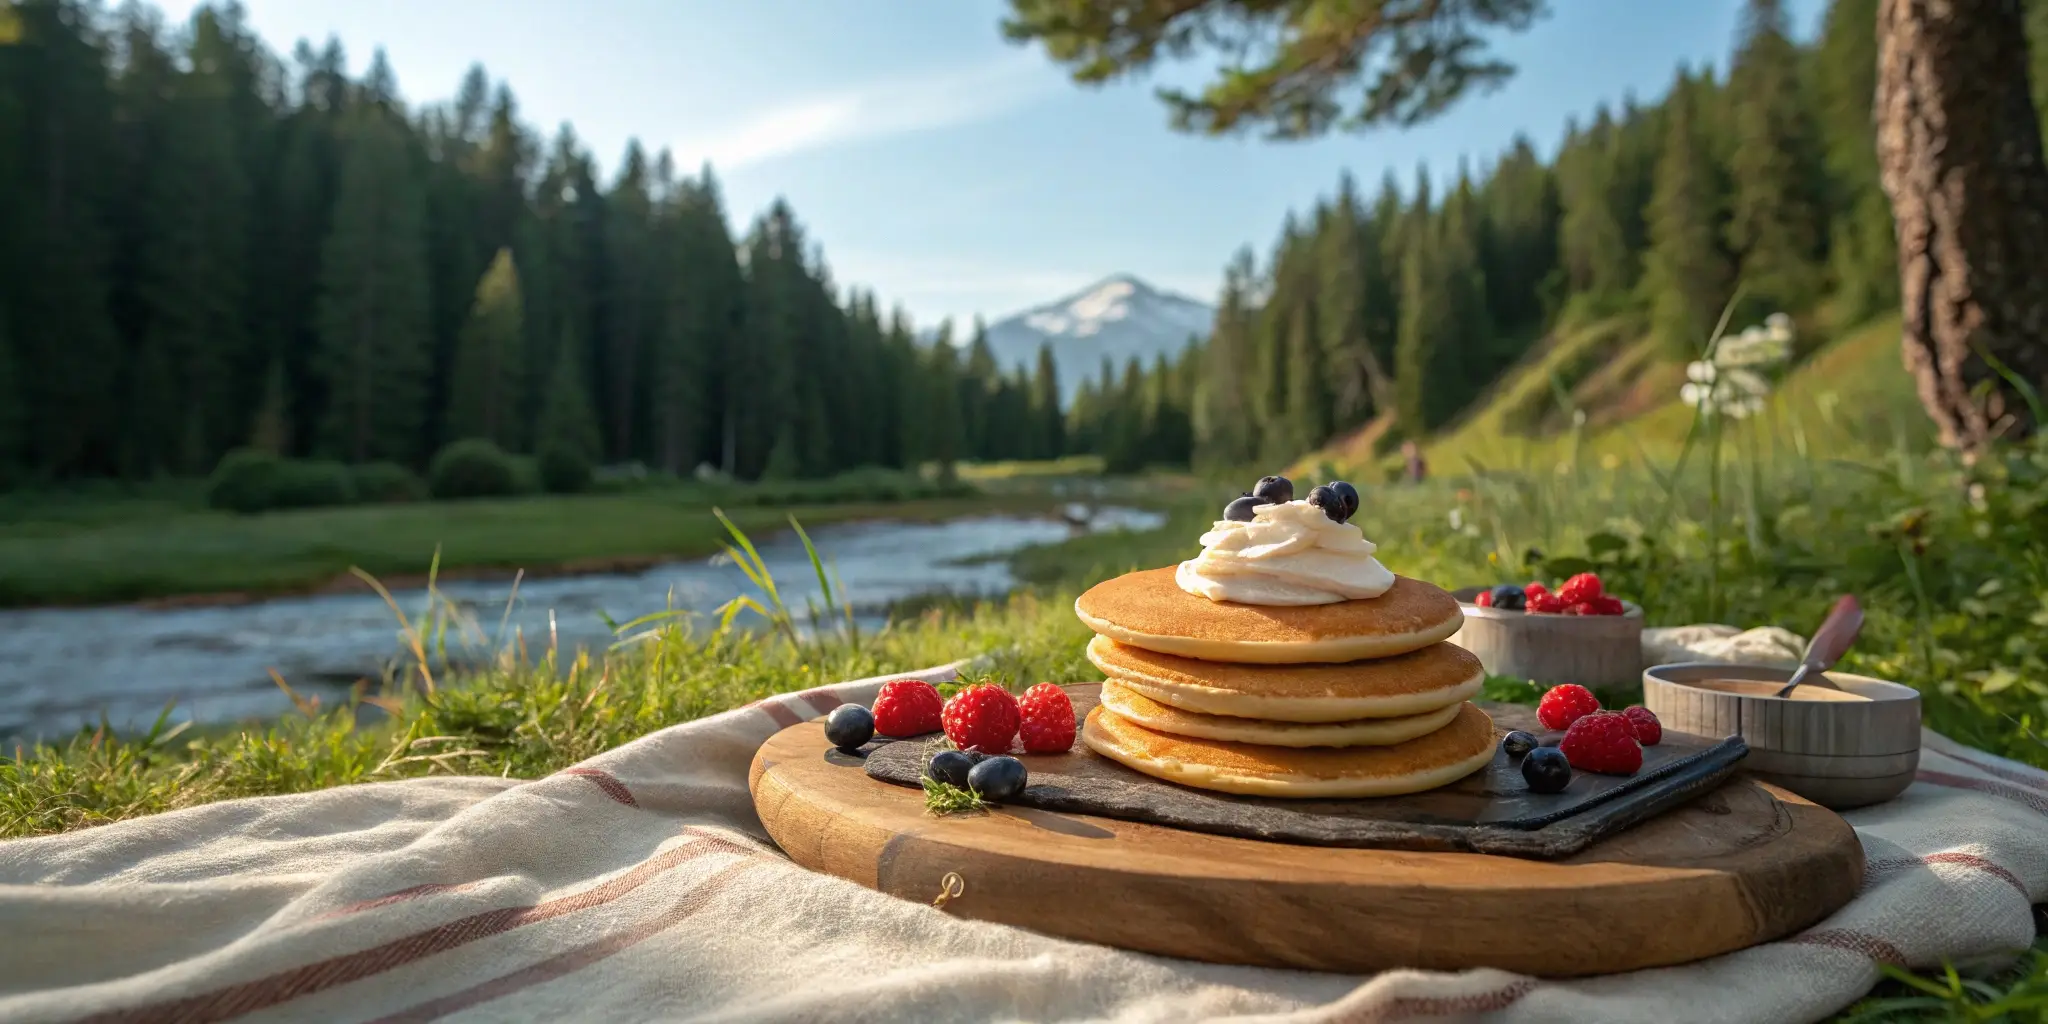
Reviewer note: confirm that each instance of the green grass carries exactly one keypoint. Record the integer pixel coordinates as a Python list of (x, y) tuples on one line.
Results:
[(93, 549)]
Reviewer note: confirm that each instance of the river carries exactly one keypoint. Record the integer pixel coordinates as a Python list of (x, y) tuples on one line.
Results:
[(63, 667)]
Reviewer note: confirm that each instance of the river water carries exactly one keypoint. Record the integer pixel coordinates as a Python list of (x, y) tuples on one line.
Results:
[(60, 668)]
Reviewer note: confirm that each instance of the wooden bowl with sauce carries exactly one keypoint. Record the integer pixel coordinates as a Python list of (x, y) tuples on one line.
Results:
[(1591, 650), (1852, 747)]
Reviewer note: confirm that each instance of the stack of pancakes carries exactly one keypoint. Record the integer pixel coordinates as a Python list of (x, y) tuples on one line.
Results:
[(1354, 699)]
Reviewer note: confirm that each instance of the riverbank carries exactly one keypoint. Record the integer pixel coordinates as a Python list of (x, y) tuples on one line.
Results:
[(169, 553)]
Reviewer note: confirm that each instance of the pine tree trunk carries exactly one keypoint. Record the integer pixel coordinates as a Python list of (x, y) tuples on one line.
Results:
[(1959, 147)]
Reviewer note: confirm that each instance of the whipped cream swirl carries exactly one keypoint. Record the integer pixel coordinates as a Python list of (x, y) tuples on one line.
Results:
[(1289, 554)]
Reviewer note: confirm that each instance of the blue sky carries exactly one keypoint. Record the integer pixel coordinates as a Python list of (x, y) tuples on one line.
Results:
[(939, 165)]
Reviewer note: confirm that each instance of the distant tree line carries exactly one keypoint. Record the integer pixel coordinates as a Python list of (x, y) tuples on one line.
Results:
[(207, 248)]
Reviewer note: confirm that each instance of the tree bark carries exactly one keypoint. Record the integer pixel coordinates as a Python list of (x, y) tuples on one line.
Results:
[(1959, 148)]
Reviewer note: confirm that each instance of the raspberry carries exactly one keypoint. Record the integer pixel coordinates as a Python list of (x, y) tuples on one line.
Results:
[(1045, 719), (1604, 742), (1484, 600), (1582, 608), (1533, 588), (1544, 601), (1563, 705), (982, 718), (1580, 589), (907, 707), (1648, 729), (1606, 604)]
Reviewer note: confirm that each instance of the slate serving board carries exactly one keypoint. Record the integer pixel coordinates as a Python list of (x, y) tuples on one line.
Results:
[(1490, 811)]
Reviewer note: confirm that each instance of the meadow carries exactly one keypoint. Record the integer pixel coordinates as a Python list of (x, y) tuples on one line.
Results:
[(1761, 521)]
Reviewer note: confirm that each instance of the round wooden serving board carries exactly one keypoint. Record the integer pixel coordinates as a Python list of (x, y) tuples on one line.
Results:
[(1744, 864)]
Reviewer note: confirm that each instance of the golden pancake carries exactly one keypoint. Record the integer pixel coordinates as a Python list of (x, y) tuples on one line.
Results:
[(1434, 677), (1427, 762), (1133, 706), (1149, 610)]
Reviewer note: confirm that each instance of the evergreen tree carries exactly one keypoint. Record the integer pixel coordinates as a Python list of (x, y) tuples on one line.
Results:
[(1049, 436), (271, 429), (1687, 273), (1774, 220), (374, 317), (487, 391), (566, 421), (630, 309), (1862, 252)]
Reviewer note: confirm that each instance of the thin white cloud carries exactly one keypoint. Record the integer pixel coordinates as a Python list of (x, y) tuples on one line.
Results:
[(896, 106)]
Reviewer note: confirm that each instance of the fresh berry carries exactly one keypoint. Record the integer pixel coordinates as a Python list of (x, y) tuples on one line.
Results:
[(1509, 598), (1243, 510), (1484, 600), (907, 707), (1276, 490), (1563, 705), (998, 778), (1604, 742), (1533, 588), (1545, 603), (1350, 496), (1547, 770), (982, 717), (1648, 730), (1607, 604), (1518, 743), (950, 767), (1580, 589), (1582, 608), (1045, 720), (1330, 501), (849, 726)]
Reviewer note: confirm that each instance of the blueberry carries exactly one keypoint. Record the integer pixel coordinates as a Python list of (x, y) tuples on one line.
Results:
[(950, 767), (1509, 598), (849, 726), (1240, 510), (1518, 743), (998, 778), (1330, 501), (1546, 770), (1350, 496), (1276, 489)]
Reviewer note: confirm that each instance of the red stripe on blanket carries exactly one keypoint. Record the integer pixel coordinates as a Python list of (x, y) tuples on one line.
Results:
[(2028, 798), (573, 960), (1852, 942), (401, 896), (1878, 868), (822, 700), (1400, 1008), (780, 712), (2008, 774), (285, 986), (606, 782)]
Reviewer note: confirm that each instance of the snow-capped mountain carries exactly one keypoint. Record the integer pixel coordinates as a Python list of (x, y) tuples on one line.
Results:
[(1118, 317)]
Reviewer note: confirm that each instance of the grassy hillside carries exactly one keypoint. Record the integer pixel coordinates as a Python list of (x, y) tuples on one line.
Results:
[(1849, 398)]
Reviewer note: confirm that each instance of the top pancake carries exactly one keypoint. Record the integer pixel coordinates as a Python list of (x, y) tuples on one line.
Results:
[(1149, 610)]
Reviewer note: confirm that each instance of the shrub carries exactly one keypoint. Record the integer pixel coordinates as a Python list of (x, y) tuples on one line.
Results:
[(387, 482), (249, 482), (563, 470), (313, 483), (473, 468), (243, 481)]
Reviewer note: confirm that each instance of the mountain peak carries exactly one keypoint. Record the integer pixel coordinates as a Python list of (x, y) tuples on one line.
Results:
[(1119, 318)]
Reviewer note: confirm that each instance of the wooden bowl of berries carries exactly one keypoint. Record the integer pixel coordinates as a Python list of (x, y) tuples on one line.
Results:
[(1574, 633)]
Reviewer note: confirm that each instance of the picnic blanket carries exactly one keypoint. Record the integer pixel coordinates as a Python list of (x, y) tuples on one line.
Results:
[(639, 886)]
